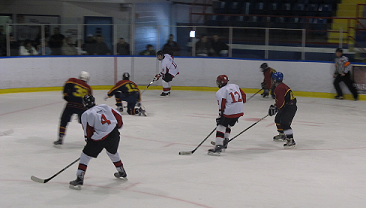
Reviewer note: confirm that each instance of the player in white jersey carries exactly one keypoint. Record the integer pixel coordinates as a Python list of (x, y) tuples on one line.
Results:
[(169, 70), (100, 124), (230, 99)]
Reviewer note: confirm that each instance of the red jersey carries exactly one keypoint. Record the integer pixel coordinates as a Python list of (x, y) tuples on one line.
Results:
[(268, 77), (284, 96)]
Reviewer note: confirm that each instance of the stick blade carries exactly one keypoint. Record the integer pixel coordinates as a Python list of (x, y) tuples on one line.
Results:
[(35, 179), (185, 153)]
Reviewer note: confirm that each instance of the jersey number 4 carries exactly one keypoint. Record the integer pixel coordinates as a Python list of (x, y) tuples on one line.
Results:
[(236, 97), (104, 120)]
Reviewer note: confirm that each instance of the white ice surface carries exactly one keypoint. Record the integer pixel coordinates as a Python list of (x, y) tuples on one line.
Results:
[(327, 169)]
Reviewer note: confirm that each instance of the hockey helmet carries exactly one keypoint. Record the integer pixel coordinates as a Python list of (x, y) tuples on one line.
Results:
[(88, 101), (277, 76), (126, 76), (264, 66), (84, 76), (221, 80), (339, 50), (160, 55)]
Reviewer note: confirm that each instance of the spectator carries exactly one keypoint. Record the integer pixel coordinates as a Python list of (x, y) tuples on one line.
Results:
[(220, 48), (149, 51), (100, 47), (88, 46), (69, 48), (171, 47), (14, 46), (203, 48), (123, 48), (2, 39), (27, 49), (56, 41), (342, 73), (47, 49)]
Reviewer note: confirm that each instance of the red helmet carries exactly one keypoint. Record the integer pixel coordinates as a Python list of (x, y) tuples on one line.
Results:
[(222, 80)]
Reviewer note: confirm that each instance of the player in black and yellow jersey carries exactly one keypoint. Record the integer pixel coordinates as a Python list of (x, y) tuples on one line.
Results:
[(126, 90), (74, 91)]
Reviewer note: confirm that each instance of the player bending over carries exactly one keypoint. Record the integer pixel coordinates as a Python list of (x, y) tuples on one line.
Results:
[(74, 91), (100, 124), (267, 80), (169, 70), (230, 99), (285, 107), (126, 90)]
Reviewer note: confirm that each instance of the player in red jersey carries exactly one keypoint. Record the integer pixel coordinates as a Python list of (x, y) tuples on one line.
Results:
[(230, 99), (100, 124), (267, 81), (285, 107), (74, 91), (126, 90)]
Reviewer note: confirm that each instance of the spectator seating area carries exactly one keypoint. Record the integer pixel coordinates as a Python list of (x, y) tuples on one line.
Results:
[(295, 14)]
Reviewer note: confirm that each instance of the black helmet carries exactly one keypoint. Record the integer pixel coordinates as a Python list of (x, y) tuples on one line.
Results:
[(126, 76), (89, 101), (339, 50), (160, 53), (264, 66)]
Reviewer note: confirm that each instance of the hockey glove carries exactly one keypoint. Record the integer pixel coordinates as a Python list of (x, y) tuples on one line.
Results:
[(106, 96), (263, 84), (66, 98), (272, 110), (218, 121), (156, 78), (265, 93)]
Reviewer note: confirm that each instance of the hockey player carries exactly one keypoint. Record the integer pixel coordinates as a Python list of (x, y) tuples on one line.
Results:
[(126, 90), (169, 70), (342, 73), (230, 99), (285, 107), (100, 124), (267, 81), (74, 91)]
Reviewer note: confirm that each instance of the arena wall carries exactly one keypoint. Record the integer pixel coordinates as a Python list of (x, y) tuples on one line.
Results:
[(45, 72)]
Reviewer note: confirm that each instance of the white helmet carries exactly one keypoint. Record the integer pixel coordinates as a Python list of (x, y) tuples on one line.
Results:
[(84, 76)]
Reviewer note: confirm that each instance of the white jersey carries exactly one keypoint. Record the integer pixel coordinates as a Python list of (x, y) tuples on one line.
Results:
[(230, 99), (99, 121), (168, 65)]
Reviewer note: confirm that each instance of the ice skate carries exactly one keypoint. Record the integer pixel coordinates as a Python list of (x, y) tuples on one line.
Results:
[(120, 109), (165, 94), (77, 183), (338, 97), (290, 143), (280, 137), (121, 174), (141, 111), (216, 151), (58, 142)]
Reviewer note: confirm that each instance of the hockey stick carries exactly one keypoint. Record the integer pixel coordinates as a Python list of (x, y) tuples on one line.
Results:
[(254, 94), (147, 87), (191, 152), (35, 179), (213, 143)]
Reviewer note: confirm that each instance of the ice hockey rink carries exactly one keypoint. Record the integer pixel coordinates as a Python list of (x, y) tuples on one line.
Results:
[(327, 168)]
